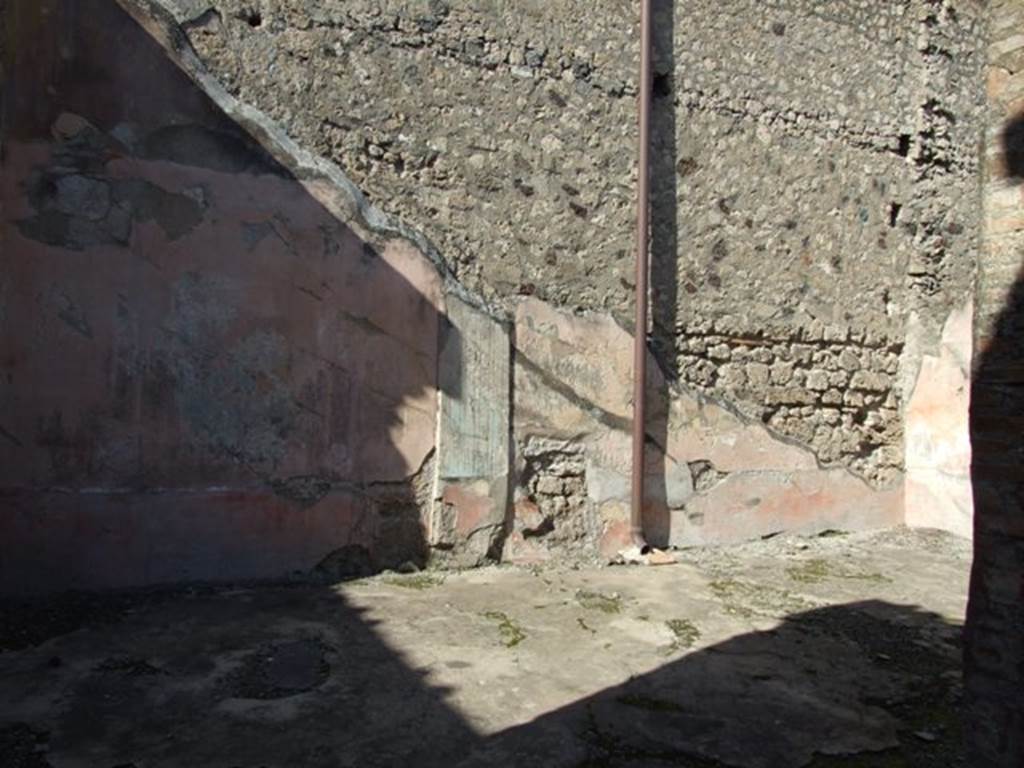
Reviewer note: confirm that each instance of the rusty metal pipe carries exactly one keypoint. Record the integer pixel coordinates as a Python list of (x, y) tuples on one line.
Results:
[(640, 328)]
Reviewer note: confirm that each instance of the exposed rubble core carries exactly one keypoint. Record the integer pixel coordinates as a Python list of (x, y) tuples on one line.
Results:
[(814, 170), (834, 394), (556, 512)]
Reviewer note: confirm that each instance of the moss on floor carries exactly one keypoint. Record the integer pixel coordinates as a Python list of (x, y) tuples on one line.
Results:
[(597, 601), (684, 633), (817, 570), (419, 581), (745, 598), (511, 633)]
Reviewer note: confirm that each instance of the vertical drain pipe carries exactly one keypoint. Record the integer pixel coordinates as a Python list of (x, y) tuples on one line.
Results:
[(640, 327)]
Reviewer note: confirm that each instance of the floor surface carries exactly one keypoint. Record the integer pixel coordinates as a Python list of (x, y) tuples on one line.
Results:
[(837, 650)]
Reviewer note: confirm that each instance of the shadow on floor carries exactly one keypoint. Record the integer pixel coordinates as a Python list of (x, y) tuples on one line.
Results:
[(297, 676)]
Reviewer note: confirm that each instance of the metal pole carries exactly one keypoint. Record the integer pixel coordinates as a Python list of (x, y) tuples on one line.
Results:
[(640, 328)]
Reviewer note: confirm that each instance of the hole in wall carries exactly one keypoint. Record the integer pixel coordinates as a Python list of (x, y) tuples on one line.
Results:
[(662, 85), (546, 526), (894, 213), (904, 147), (251, 16)]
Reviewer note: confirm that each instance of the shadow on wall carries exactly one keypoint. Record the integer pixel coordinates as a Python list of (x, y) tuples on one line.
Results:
[(665, 200), (204, 374), (1012, 141), (213, 678), (994, 660), (664, 280)]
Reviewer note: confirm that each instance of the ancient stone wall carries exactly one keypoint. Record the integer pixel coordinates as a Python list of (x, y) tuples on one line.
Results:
[(994, 658), (356, 277), (814, 173)]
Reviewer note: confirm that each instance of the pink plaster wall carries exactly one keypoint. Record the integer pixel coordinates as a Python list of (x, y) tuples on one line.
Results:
[(937, 434), (202, 370)]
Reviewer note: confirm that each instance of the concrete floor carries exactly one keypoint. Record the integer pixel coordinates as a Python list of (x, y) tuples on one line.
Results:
[(840, 650)]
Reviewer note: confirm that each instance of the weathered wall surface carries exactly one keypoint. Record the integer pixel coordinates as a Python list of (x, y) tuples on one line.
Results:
[(205, 372), (814, 173), (994, 659), (936, 429), (268, 368), (712, 476)]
